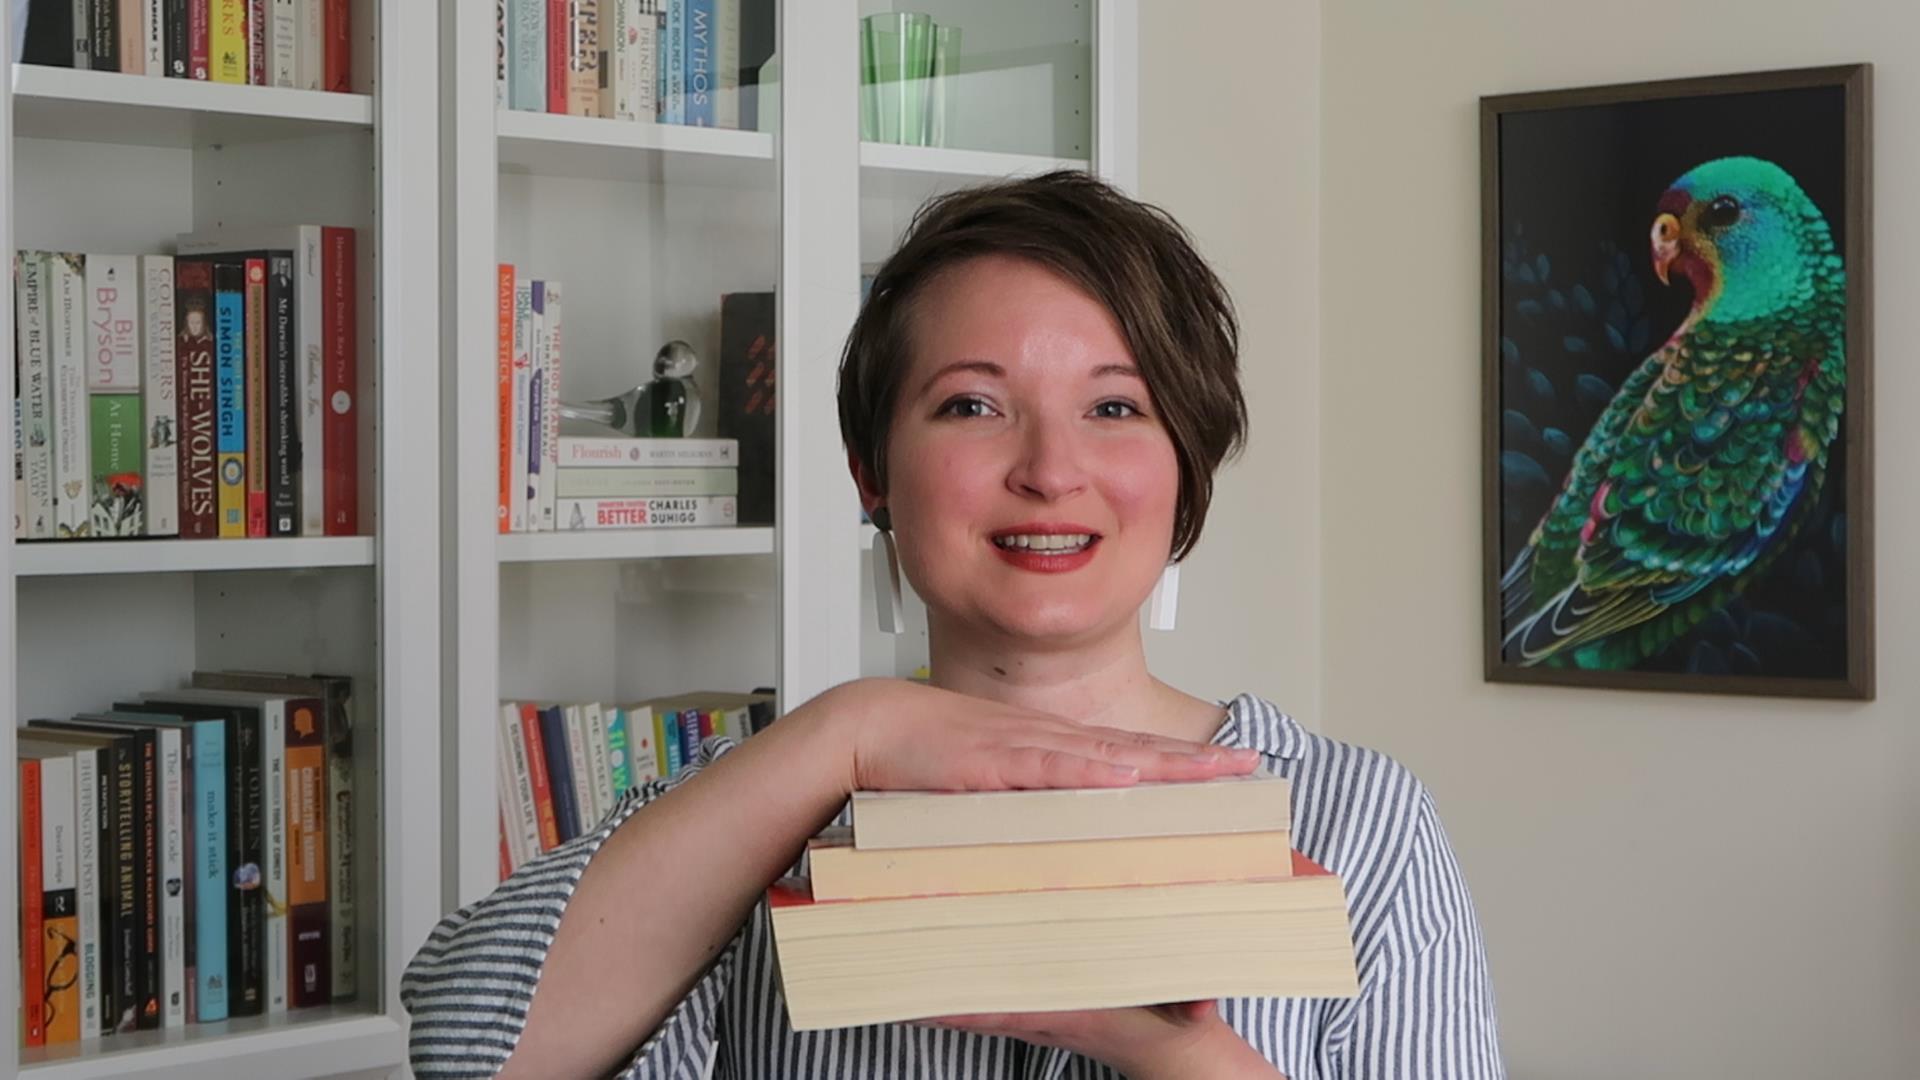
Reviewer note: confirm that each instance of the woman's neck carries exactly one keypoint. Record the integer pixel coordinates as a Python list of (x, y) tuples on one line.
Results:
[(1104, 682)]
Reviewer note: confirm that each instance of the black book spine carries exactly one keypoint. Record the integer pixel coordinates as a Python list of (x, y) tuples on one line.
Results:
[(246, 897), (147, 855), (179, 44), (107, 804), (103, 23), (283, 432), (127, 953), (49, 36)]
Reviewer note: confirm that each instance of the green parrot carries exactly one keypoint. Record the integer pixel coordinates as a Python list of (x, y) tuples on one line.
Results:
[(1706, 463)]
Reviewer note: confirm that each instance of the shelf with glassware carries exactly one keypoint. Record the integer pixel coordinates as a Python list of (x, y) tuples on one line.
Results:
[(107, 164)]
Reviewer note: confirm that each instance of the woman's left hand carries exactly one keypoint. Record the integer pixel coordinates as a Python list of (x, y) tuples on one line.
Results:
[(1182, 1040)]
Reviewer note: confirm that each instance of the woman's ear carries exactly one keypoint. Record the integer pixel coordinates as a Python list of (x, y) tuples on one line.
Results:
[(870, 496)]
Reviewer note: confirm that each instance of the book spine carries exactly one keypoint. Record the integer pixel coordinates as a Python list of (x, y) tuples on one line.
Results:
[(689, 736), (500, 90), (619, 775), (699, 63), (524, 817), (80, 44), (527, 299), (103, 37), (311, 42), (552, 322), (60, 896), (259, 34), (675, 77), (130, 24), (199, 446), (256, 391), (697, 511), (553, 736), (559, 49), (530, 420), (171, 877), (528, 39), (726, 63), (210, 869), (227, 40), (34, 352), (283, 419), (113, 317), (86, 842), (643, 750), (178, 23), (338, 58), (592, 451), (648, 483), (666, 735), (282, 63), (114, 423), (160, 404), (153, 27), (583, 57), (33, 1000), (188, 884), (546, 816), (586, 805), (200, 39), (147, 795), (341, 913), (512, 853), (633, 52), (511, 329), (230, 402), (120, 954), (72, 469), (339, 333), (309, 267), (246, 855), (273, 810)]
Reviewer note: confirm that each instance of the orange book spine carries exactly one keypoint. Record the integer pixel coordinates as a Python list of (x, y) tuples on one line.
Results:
[(504, 302), (33, 999), (506, 856), (542, 787)]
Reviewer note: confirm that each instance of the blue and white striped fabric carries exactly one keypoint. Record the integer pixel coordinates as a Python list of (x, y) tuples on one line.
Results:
[(1425, 1010)]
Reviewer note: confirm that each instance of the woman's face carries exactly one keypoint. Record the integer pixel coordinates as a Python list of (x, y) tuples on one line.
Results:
[(1032, 486)]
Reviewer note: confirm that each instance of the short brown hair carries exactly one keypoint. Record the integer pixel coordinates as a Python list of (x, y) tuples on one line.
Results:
[(1132, 257)]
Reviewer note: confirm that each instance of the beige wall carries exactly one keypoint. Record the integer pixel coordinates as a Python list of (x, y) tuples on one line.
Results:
[(1229, 130), (1671, 886)]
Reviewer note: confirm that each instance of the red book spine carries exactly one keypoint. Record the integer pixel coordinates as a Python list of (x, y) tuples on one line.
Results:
[(537, 770), (559, 52), (257, 24), (193, 321), (506, 856), (33, 998), (337, 57), (340, 461), (256, 397), (199, 40)]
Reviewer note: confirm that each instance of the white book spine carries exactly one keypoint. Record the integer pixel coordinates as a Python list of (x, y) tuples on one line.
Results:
[(675, 511), (72, 465), (113, 323), (726, 52), (59, 844), (524, 819), (310, 41), (509, 813), (34, 348), (596, 725), (550, 353), (534, 396), (173, 874), (82, 41), (499, 54), (161, 406), (153, 27), (273, 715), (643, 757), (86, 810), (311, 362), (615, 452), (283, 57), (523, 345), (583, 800), (634, 60)]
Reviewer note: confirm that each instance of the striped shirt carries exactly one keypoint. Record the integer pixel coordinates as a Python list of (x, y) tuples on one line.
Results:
[(1425, 1008)]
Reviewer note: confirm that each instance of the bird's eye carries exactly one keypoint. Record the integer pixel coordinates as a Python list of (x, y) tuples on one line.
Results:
[(1721, 212)]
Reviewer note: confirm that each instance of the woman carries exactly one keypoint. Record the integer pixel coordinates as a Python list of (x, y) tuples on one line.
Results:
[(1034, 400)]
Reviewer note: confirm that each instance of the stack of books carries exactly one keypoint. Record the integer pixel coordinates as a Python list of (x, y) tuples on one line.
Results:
[(941, 904), (300, 44), (187, 857)]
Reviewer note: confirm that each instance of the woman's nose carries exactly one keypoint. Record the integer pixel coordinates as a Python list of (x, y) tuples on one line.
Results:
[(1049, 464)]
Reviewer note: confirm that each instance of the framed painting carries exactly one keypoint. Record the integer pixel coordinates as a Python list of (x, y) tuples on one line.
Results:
[(1676, 452)]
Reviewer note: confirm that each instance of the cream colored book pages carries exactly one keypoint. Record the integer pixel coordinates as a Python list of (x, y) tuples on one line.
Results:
[(883, 961), (842, 872), (904, 819)]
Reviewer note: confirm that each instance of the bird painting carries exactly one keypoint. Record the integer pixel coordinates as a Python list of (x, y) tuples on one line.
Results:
[(1711, 456)]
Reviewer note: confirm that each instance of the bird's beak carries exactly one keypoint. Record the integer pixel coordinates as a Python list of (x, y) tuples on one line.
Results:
[(1666, 244)]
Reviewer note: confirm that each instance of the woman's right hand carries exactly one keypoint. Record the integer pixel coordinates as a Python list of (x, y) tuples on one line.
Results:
[(906, 736)]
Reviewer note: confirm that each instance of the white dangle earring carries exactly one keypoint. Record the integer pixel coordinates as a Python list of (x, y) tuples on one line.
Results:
[(1165, 602), (886, 574)]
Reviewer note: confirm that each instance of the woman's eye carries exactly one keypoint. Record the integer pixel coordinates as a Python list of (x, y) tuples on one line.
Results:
[(966, 407), (1115, 410)]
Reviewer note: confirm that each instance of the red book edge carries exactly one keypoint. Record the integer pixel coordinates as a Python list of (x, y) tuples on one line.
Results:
[(259, 40), (537, 772), (336, 59), (798, 892), (506, 855), (199, 42), (340, 464), (33, 1002), (195, 277), (559, 50)]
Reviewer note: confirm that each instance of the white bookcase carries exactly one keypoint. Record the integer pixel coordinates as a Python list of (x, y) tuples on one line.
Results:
[(104, 162)]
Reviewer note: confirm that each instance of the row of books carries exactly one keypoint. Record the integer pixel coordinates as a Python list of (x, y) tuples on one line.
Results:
[(302, 44), (187, 857), (1058, 899), (563, 765), (669, 61), (204, 395)]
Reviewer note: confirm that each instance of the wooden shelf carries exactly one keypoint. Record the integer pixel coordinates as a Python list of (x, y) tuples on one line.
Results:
[(70, 557), (324, 1041), (586, 147), (634, 544), (108, 107)]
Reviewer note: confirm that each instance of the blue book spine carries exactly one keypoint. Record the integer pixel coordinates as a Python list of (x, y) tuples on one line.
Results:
[(669, 735), (689, 736), (230, 397), (676, 36), (617, 752), (210, 866), (527, 54), (553, 734), (701, 80)]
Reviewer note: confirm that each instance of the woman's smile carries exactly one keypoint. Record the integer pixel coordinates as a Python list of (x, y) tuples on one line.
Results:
[(1046, 548)]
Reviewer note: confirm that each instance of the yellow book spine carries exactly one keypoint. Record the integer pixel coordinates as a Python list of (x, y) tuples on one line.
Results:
[(228, 46)]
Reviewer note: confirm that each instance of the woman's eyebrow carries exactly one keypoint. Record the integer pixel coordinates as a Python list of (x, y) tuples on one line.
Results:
[(984, 367), (1126, 370)]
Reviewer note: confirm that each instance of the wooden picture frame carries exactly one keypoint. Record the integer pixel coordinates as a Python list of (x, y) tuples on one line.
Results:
[(1709, 529)]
